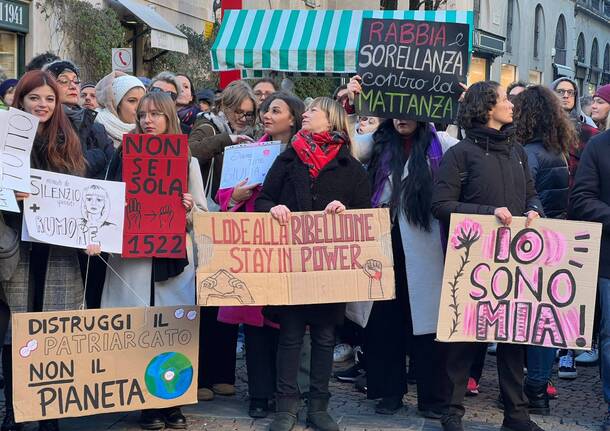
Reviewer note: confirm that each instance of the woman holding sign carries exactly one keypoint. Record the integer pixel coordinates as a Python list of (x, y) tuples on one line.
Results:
[(548, 135), (230, 123), (487, 173), (47, 277), (403, 158), (156, 281), (316, 173), (281, 114)]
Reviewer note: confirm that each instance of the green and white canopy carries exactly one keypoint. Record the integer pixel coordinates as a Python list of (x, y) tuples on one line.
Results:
[(303, 41)]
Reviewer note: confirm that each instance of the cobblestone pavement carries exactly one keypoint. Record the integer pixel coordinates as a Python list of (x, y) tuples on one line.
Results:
[(580, 407)]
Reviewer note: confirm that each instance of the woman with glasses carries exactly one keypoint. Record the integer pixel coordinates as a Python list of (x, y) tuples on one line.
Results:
[(229, 123), (47, 277), (96, 145), (156, 281)]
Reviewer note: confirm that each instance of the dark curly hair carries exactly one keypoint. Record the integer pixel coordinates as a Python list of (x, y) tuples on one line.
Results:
[(480, 98), (538, 115)]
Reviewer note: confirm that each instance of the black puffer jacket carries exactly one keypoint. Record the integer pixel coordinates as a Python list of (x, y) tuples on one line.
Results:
[(288, 183), (551, 176), (97, 145), (590, 197), (483, 172)]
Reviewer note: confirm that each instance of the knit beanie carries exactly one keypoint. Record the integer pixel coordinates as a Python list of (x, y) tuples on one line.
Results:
[(87, 84), (7, 85), (122, 84), (57, 67), (603, 92)]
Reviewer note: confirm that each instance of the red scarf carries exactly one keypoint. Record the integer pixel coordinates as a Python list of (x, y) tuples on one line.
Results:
[(316, 150)]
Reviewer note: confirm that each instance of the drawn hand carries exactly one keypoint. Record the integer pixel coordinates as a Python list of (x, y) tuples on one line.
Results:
[(209, 283), (242, 192), (241, 290), (134, 214), (166, 216), (373, 269)]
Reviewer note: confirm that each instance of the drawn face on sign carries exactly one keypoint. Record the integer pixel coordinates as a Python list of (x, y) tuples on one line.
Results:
[(41, 102), (95, 204)]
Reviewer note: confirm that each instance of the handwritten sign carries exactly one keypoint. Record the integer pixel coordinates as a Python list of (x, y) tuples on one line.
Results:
[(155, 171), (251, 161), (248, 258), (17, 132), (74, 211), (412, 69), (86, 362), (521, 285), (8, 201)]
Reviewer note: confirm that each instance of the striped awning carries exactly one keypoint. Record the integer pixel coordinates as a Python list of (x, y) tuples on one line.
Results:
[(304, 41)]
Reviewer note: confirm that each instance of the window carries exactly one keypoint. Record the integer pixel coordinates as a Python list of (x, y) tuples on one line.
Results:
[(594, 54), (580, 48), (538, 31), (534, 77), (508, 74), (607, 59), (509, 25), (8, 54), (560, 41), (478, 70)]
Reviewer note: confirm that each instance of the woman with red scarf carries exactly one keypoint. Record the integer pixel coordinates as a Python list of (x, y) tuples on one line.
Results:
[(316, 173)]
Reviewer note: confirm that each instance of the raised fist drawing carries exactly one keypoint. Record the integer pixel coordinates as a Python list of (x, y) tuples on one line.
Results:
[(373, 269), (166, 216)]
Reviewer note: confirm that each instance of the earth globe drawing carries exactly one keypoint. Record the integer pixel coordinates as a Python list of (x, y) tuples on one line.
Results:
[(169, 375)]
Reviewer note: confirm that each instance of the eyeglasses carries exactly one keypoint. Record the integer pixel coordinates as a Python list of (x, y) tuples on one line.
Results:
[(64, 82), (246, 115), (155, 115), (561, 92), (171, 94), (260, 94)]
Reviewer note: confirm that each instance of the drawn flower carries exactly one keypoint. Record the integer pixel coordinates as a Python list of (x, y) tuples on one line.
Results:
[(466, 233)]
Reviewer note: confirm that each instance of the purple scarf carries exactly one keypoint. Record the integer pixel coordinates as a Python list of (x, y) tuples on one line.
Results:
[(435, 154)]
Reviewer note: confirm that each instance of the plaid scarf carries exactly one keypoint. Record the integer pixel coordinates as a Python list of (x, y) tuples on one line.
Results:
[(316, 150)]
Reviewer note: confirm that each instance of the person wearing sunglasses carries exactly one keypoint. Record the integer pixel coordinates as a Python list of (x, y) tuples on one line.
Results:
[(165, 82), (96, 144)]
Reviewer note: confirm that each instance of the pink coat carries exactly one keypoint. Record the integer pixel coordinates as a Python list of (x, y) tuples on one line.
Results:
[(249, 315)]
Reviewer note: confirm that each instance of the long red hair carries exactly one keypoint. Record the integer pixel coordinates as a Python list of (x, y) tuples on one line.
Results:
[(66, 157)]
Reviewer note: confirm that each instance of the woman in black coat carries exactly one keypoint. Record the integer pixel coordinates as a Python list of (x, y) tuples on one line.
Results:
[(548, 135), (486, 173), (316, 173)]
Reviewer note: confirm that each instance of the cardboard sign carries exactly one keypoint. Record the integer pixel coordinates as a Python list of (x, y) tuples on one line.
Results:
[(520, 285), (8, 201), (17, 132), (85, 362), (251, 161), (250, 259), (412, 69), (155, 171), (74, 212)]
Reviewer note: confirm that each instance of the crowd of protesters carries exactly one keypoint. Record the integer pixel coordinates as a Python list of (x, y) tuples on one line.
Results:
[(525, 150)]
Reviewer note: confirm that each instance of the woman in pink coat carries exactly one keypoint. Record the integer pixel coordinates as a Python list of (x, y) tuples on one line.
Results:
[(281, 115)]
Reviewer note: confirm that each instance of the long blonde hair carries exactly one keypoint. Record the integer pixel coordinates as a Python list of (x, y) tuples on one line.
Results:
[(335, 113), (164, 103)]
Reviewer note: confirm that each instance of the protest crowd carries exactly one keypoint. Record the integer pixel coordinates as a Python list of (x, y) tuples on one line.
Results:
[(523, 151)]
